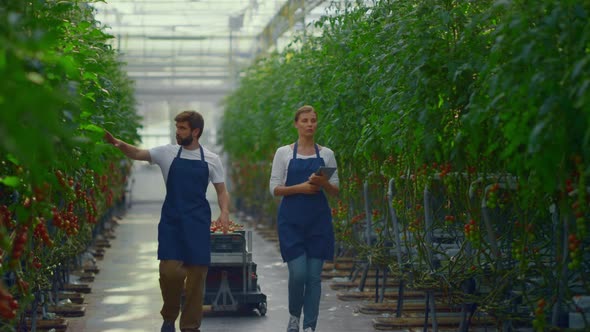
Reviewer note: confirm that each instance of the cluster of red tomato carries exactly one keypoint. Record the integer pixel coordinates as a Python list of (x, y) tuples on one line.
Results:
[(444, 169), (416, 224), (492, 196), (450, 218), (86, 199), (472, 233), (540, 320), (8, 304), (375, 214), (66, 219), (67, 185), (104, 183), (217, 227), (340, 212), (357, 218), (18, 245), (5, 216), (37, 262), (40, 232), (88, 205)]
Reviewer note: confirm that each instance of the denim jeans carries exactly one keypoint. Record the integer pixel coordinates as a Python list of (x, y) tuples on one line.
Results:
[(305, 288)]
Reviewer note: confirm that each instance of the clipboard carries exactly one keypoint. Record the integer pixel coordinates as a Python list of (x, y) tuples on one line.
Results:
[(327, 171)]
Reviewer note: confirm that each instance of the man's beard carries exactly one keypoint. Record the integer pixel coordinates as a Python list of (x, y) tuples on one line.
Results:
[(184, 141)]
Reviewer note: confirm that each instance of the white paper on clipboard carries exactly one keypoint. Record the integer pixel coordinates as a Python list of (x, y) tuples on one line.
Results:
[(327, 171)]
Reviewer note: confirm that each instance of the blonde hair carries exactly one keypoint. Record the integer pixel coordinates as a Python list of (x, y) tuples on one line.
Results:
[(304, 109)]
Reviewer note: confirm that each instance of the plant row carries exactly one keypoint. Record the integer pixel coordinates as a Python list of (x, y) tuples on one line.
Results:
[(463, 96), (62, 83)]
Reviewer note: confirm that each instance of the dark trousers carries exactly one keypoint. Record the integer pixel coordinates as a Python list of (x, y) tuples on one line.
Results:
[(176, 277)]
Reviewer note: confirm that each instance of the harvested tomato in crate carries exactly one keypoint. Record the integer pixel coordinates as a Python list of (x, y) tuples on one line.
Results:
[(232, 280)]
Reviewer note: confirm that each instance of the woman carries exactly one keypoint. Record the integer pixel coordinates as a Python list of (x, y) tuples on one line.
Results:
[(306, 236)]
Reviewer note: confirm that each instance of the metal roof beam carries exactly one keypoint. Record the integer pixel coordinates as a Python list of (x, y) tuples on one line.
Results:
[(203, 56), (181, 37), (292, 11), (165, 68), (178, 77)]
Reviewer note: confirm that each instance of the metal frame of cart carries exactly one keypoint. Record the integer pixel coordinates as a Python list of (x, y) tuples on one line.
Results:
[(230, 253)]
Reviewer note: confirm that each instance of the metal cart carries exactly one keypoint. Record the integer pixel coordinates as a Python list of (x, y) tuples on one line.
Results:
[(232, 281)]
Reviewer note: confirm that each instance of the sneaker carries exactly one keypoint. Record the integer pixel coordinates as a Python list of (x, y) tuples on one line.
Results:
[(308, 329), (168, 327), (293, 324)]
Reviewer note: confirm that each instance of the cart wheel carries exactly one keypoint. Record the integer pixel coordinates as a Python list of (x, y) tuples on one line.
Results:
[(262, 308)]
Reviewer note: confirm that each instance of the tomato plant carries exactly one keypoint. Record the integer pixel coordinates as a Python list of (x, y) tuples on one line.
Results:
[(62, 83), (487, 99)]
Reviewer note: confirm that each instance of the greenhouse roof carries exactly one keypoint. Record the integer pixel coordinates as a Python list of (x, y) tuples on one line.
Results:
[(188, 47)]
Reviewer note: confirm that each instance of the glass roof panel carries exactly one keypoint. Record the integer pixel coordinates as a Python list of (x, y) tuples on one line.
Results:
[(195, 49), (189, 53), (158, 37)]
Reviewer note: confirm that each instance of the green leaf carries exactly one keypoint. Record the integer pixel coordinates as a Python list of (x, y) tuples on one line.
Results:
[(2, 59), (85, 115), (70, 66), (579, 68), (93, 128), (11, 181), (12, 159), (90, 95)]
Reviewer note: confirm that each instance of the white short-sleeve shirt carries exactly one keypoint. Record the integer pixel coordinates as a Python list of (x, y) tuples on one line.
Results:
[(283, 156), (164, 155)]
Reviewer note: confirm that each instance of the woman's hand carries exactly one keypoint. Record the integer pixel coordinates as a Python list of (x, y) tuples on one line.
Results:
[(309, 188), (306, 188), (322, 181), (318, 180)]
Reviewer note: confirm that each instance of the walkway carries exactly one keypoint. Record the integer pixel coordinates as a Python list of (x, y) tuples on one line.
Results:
[(125, 294)]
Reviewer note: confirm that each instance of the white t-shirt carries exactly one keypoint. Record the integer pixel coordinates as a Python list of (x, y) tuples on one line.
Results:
[(164, 155), (283, 156)]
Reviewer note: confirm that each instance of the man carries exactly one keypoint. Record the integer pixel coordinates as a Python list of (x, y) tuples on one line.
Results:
[(184, 229)]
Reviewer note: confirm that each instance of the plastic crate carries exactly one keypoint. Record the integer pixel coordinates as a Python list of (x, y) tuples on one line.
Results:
[(228, 243)]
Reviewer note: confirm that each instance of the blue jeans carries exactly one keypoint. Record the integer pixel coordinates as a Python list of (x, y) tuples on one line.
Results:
[(305, 288)]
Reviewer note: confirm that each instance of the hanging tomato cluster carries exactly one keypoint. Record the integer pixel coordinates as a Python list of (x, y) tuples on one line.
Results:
[(63, 82), (66, 219), (467, 112), (8, 304), (40, 232), (472, 233), (89, 205), (18, 245), (6, 216)]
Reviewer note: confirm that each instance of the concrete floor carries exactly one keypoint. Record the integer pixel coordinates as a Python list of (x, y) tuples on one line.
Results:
[(126, 296)]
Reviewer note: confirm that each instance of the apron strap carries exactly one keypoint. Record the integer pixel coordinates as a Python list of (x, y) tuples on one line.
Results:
[(200, 148), (295, 150), (202, 153), (317, 150)]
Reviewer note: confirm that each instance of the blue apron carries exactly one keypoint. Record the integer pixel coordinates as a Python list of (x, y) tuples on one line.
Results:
[(305, 221), (184, 228)]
